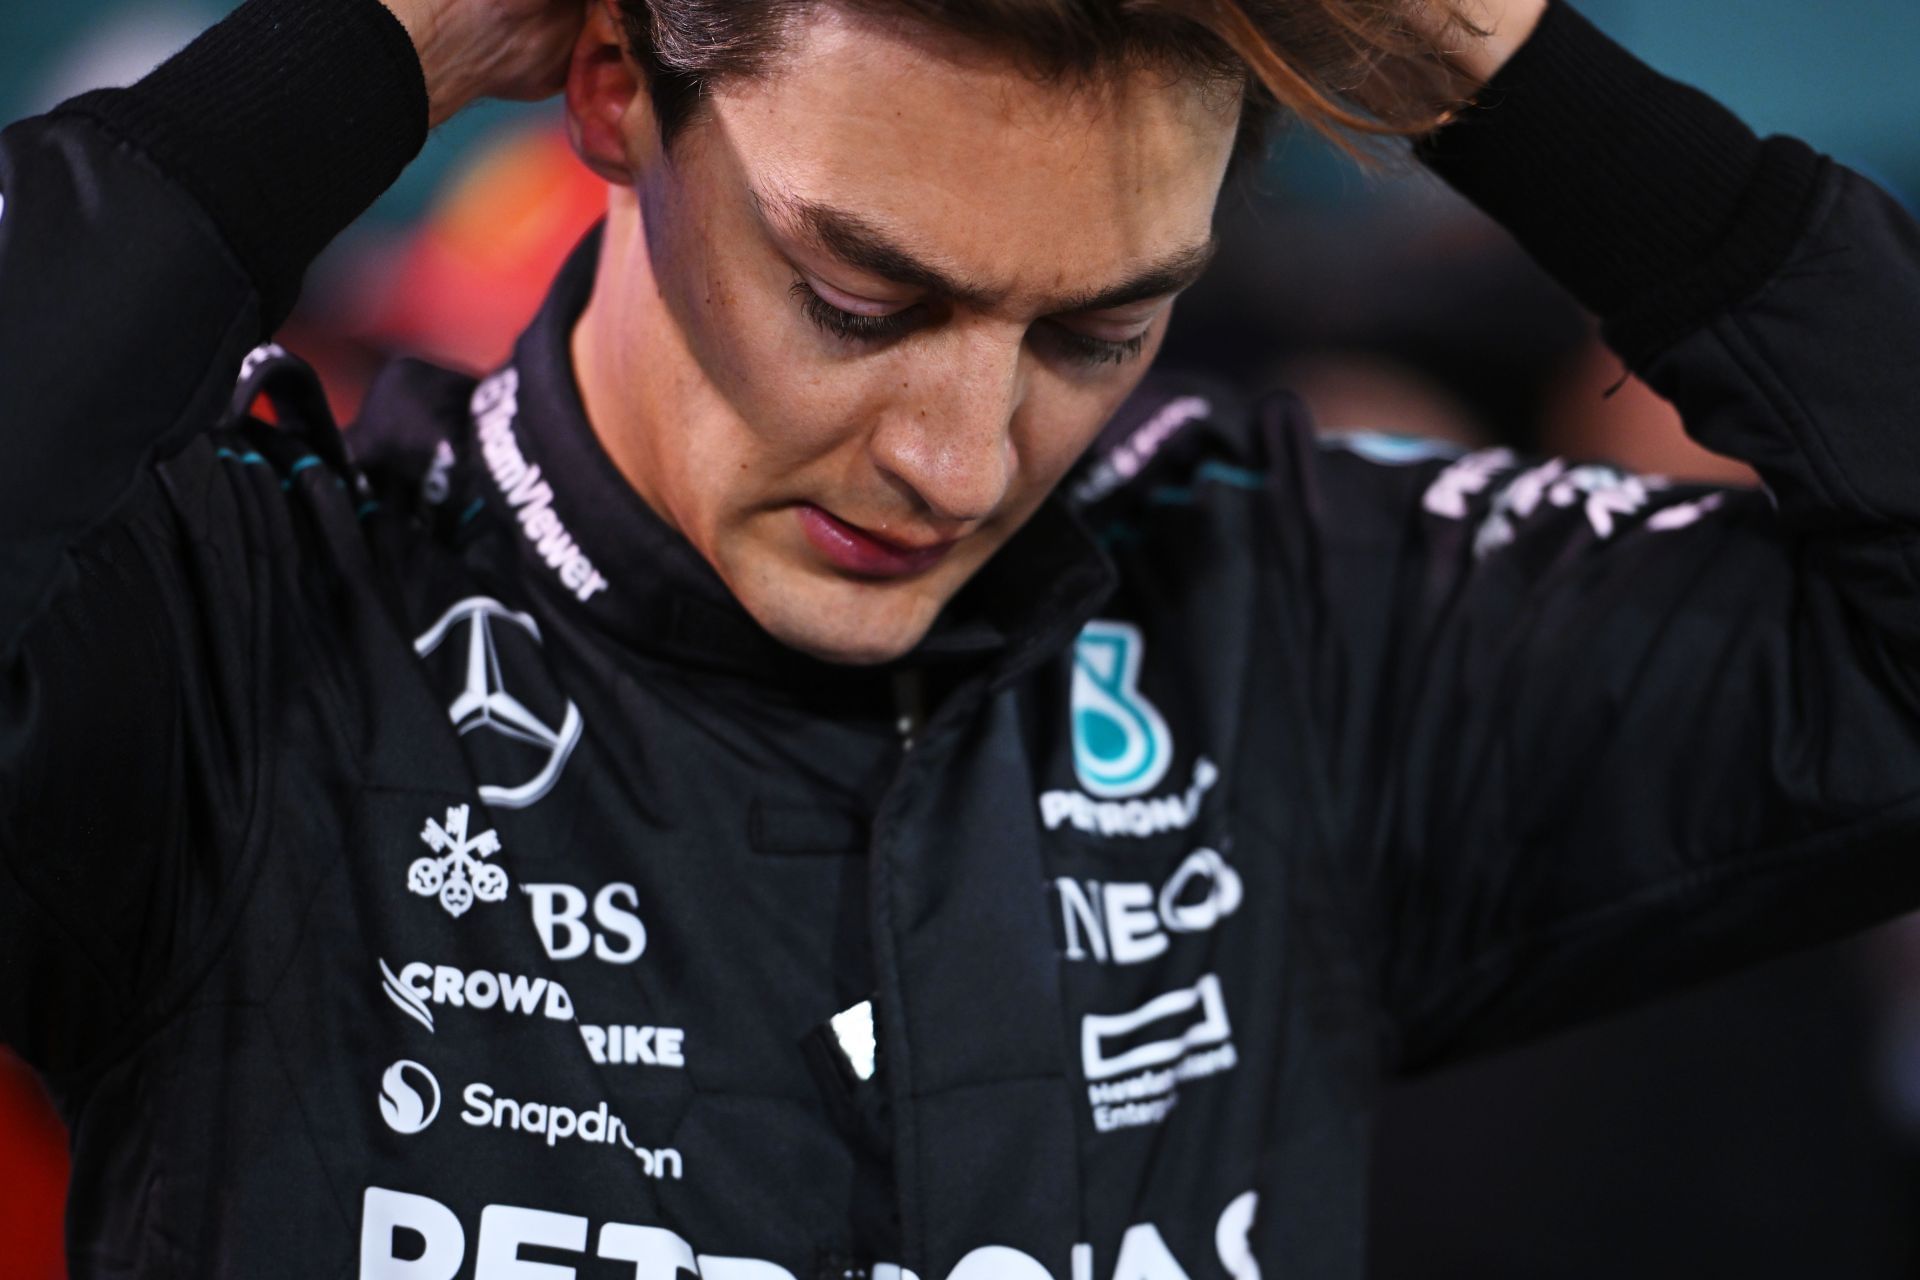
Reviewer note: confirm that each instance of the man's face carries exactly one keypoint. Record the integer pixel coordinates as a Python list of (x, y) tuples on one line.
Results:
[(875, 303)]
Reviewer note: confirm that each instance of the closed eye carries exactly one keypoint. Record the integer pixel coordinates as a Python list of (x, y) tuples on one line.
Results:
[(851, 326), (1085, 349), (877, 330)]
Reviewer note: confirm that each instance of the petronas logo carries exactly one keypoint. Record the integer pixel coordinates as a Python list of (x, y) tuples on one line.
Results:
[(1121, 745)]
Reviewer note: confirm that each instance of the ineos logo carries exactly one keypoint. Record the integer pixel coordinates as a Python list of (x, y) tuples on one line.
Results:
[(401, 1104), (1127, 922), (484, 705)]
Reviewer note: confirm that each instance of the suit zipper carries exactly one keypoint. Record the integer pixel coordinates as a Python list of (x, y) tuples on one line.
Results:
[(909, 706)]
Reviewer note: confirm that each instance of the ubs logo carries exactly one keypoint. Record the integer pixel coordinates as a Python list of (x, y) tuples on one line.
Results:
[(522, 738)]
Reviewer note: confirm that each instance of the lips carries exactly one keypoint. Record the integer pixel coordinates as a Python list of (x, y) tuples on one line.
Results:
[(857, 551)]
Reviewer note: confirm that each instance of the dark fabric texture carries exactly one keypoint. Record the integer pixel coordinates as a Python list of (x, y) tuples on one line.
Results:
[(413, 861), (283, 122)]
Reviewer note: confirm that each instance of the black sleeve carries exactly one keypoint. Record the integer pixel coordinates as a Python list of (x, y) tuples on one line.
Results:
[(149, 237), (1595, 735)]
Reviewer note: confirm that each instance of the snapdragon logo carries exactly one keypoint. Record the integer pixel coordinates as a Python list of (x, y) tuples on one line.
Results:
[(1121, 745), (409, 1097), (554, 1124)]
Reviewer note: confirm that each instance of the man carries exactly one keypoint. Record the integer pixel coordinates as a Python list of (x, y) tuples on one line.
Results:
[(718, 796)]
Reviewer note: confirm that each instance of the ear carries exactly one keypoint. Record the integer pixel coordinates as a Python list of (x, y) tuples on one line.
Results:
[(609, 114)]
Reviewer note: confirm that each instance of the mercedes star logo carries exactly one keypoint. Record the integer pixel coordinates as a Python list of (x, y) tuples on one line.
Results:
[(484, 705)]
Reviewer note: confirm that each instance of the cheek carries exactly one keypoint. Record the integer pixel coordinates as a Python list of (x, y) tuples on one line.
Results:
[(794, 415), (778, 404), (1059, 422)]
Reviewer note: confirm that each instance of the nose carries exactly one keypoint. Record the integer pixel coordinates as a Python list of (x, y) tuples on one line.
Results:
[(947, 436)]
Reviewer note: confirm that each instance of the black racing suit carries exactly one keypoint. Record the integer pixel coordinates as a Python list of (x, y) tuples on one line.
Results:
[(416, 865)]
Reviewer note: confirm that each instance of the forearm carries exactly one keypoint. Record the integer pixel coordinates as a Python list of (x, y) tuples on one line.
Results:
[(151, 235), (282, 123), (1770, 294), (1662, 729), (514, 49), (1652, 203)]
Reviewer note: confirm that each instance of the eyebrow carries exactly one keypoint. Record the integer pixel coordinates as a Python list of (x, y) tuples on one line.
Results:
[(860, 244)]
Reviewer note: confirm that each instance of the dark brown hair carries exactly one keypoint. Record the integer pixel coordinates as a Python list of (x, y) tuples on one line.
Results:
[(1349, 69)]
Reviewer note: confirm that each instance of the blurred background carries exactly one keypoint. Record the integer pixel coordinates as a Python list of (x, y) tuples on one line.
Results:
[(1766, 1126)]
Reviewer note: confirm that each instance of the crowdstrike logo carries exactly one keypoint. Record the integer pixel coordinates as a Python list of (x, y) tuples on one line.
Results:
[(417, 988), (625, 1045), (509, 729), (495, 404), (403, 1103)]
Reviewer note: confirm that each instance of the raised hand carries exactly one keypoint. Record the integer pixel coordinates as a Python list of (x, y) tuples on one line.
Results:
[(472, 49)]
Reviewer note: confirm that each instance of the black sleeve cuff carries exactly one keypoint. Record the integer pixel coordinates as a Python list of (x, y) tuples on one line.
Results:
[(1652, 203), (284, 122)]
